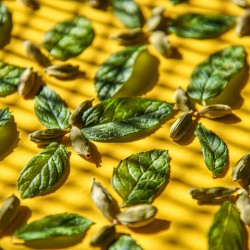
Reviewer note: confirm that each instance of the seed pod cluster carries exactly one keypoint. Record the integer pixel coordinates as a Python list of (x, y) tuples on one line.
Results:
[(215, 111), (26, 82)]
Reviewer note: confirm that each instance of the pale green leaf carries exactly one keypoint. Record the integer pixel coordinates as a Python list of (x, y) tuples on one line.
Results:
[(44, 171), (125, 242), (140, 177), (6, 25)]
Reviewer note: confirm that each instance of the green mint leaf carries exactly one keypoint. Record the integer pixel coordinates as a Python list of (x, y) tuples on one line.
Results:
[(118, 117), (125, 242), (69, 39), (128, 12), (51, 109), (211, 77), (214, 150), (140, 177), (201, 26), (9, 77), (44, 171), (64, 224), (227, 231), (5, 25), (5, 116), (122, 73)]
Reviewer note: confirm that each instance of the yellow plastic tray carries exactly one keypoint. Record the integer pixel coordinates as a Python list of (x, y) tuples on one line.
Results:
[(181, 223)]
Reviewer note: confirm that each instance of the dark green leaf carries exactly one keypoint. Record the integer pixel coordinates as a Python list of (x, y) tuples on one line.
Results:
[(125, 242), (9, 77), (214, 149), (119, 117), (69, 39), (128, 12), (5, 116), (201, 26), (140, 177), (64, 224), (50, 109), (44, 171), (211, 77), (226, 231), (5, 25)]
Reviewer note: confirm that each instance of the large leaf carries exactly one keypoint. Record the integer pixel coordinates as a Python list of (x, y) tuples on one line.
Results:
[(211, 77), (214, 149), (50, 109), (128, 12), (44, 171), (226, 231), (5, 116), (125, 242), (64, 224), (69, 39), (140, 177), (9, 77), (119, 117), (5, 25), (201, 26)]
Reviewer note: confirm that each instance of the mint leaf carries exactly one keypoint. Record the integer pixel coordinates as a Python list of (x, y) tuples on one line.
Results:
[(125, 242)]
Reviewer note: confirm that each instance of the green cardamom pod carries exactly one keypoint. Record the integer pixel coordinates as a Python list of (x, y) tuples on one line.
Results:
[(45, 137), (8, 211), (104, 237), (26, 82), (33, 4), (181, 99), (243, 205), (215, 111), (79, 142), (181, 126), (156, 20), (104, 201), (242, 27), (137, 216), (62, 71), (241, 171)]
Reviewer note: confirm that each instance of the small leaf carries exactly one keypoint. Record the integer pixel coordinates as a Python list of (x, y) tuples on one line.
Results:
[(125, 242), (69, 39), (201, 26), (214, 149), (6, 25), (64, 224), (140, 177), (122, 68), (44, 171), (9, 77), (119, 117), (227, 231), (50, 109), (128, 12), (5, 116), (211, 77)]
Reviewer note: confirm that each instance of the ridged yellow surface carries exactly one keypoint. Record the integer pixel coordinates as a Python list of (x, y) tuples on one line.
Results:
[(181, 223)]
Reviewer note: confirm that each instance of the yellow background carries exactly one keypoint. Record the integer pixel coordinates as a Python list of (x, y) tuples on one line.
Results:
[(181, 223)]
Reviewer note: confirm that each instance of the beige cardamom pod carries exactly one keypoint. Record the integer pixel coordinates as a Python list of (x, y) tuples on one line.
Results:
[(26, 82), (241, 3), (8, 211), (215, 111), (181, 99), (104, 201), (104, 237), (62, 71), (242, 27), (241, 170), (243, 205), (181, 126), (137, 216), (79, 142), (33, 4), (156, 20), (45, 137)]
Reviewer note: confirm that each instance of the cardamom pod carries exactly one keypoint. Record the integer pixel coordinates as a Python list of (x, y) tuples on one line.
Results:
[(79, 142), (181, 126), (215, 111), (155, 21), (212, 195), (241, 170), (129, 37), (137, 216), (8, 211), (181, 99), (241, 3), (97, 3), (104, 237), (62, 71), (26, 82), (45, 137), (242, 27), (104, 201), (33, 4), (76, 116), (243, 205), (161, 43), (35, 53)]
